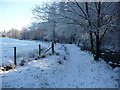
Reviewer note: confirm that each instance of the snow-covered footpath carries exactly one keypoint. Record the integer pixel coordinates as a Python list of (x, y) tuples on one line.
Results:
[(68, 68)]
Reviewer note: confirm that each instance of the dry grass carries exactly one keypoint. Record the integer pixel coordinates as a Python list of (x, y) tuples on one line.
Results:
[(6, 68)]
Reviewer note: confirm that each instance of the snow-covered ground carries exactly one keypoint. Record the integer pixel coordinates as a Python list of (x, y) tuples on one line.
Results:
[(68, 68), (25, 49)]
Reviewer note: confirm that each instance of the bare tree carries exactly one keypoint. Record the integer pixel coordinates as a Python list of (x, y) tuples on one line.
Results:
[(48, 13), (96, 18)]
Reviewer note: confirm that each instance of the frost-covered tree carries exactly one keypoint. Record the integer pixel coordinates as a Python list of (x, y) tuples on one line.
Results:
[(96, 18), (47, 13), (24, 33), (38, 32)]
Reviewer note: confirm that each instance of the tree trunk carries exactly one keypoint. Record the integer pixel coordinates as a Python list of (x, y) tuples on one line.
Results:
[(97, 51), (91, 42), (91, 37), (54, 37)]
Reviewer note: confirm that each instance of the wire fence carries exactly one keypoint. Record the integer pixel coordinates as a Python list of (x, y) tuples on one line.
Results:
[(16, 54), (10, 53)]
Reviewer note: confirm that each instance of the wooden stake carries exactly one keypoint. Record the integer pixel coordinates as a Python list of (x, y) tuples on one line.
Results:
[(39, 49), (52, 47), (15, 55)]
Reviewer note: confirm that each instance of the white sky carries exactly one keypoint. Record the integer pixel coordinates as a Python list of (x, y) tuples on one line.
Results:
[(17, 13)]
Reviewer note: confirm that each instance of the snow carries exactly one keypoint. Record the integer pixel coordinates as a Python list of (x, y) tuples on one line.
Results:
[(77, 70), (25, 49)]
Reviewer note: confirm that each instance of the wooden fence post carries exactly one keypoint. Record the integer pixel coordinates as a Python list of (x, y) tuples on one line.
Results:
[(52, 47), (15, 55), (39, 49)]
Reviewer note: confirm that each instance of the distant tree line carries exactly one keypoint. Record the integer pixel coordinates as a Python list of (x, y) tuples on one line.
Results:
[(12, 33)]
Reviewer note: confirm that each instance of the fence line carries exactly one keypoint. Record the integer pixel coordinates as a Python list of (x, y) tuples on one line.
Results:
[(47, 50), (51, 47), (39, 51)]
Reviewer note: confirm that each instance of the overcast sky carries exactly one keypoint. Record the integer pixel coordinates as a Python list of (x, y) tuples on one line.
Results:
[(16, 13)]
